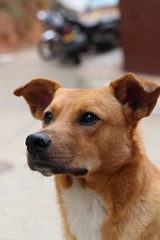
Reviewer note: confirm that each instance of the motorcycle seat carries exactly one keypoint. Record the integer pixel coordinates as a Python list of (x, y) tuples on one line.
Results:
[(90, 26)]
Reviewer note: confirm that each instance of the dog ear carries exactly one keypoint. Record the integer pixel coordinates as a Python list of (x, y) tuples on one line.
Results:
[(136, 95), (38, 93)]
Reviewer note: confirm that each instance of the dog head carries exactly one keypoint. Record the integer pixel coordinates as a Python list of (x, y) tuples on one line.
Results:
[(85, 131)]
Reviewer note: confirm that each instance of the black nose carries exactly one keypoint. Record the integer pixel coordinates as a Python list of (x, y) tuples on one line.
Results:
[(37, 142)]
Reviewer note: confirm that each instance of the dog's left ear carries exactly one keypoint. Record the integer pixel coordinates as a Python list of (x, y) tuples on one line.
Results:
[(138, 97), (38, 93)]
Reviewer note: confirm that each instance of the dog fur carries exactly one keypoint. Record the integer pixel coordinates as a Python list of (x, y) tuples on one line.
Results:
[(107, 187)]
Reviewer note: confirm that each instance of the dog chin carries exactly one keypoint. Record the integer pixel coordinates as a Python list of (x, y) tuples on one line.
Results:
[(46, 171)]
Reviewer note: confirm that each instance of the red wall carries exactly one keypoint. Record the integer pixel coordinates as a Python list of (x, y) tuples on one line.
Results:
[(140, 32)]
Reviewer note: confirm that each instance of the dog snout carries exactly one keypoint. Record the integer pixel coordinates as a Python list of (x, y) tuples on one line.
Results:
[(37, 142)]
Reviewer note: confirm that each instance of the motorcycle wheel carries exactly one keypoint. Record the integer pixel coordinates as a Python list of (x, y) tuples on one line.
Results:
[(76, 59), (47, 49)]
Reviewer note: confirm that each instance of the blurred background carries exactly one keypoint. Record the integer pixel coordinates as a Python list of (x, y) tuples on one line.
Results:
[(84, 44)]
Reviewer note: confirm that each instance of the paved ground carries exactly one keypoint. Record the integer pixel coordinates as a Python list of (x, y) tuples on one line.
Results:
[(28, 209)]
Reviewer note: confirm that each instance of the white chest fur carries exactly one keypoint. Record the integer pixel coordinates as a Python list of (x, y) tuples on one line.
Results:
[(85, 210)]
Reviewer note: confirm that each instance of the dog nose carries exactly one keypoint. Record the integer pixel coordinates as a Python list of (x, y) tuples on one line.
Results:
[(37, 142)]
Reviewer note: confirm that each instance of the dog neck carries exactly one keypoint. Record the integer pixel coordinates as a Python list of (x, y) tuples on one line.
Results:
[(85, 211)]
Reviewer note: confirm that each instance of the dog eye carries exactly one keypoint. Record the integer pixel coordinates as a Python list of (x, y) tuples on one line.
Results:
[(88, 119), (47, 118)]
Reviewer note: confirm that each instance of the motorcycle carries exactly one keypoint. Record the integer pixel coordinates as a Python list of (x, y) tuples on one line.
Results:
[(66, 37), (60, 39), (100, 35)]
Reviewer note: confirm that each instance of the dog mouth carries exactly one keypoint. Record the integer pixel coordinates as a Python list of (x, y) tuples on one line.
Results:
[(57, 168)]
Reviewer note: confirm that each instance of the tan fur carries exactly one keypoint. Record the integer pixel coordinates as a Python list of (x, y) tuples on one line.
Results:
[(111, 149)]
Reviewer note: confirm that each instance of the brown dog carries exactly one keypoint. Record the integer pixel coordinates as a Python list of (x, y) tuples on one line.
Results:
[(107, 188)]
